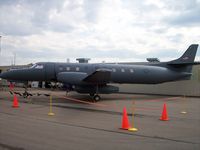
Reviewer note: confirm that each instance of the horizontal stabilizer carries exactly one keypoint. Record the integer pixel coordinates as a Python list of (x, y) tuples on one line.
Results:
[(100, 76)]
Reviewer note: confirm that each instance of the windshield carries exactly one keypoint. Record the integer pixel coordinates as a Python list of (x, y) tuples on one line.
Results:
[(37, 66), (33, 66)]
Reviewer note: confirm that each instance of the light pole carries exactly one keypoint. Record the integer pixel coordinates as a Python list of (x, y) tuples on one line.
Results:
[(14, 58), (0, 48), (0, 44)]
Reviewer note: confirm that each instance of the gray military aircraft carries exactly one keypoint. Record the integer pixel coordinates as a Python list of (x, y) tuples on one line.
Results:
[(94, 79)]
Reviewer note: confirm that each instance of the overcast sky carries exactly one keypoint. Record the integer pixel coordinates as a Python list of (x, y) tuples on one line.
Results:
[(103, 30)]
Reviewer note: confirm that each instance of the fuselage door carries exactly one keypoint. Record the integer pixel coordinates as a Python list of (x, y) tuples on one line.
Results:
[(50, 74)]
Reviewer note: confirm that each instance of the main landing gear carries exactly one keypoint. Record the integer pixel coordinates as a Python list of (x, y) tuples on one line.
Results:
[(95, 96)]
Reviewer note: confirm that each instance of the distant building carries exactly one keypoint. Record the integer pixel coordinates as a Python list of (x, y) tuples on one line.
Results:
[(5, 68)]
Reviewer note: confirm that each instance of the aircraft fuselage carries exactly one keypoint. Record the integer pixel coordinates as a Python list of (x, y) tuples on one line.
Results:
[(139, 74), (94, 78)]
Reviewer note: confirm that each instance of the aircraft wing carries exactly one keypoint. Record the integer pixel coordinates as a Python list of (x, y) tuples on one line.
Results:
[(100, 76)]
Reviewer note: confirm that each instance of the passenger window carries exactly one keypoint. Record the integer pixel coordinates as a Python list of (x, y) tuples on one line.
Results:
[(131, 71), (61, 68), (114, 70), (122, 70), (77, 68), (68, 68)]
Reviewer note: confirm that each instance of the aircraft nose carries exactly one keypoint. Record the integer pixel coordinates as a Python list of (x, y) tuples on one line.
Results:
[(9, 75), (4, 75), (18, 75)]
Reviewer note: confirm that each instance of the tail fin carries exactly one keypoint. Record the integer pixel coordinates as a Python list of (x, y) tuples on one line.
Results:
[(187, 58), (185, 62)]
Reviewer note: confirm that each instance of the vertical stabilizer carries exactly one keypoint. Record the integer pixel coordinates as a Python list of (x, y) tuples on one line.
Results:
[(187, 58)]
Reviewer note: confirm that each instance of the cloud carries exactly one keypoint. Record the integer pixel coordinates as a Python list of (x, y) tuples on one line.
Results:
[(100, 29), (92, 9), (185, 14), (26, 17)]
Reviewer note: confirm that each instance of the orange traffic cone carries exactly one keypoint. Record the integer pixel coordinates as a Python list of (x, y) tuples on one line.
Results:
[(164, 116), (125, 122), (15, 102)]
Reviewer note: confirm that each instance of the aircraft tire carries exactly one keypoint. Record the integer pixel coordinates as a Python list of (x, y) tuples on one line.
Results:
[(97, 98)]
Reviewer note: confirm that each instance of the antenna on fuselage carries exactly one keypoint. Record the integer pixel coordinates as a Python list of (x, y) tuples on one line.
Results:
[(68, 60), (83, 60)]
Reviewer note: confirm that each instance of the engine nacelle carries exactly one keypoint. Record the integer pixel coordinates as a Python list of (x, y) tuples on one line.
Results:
[(107, 89), (71, 77)]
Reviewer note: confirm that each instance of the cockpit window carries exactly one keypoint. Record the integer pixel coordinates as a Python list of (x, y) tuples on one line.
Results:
[(37, 66), (33, 66)]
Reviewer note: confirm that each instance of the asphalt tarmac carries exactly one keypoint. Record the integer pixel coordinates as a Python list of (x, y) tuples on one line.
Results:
[(79, 123)]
